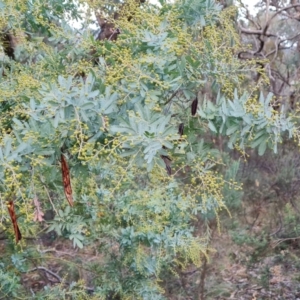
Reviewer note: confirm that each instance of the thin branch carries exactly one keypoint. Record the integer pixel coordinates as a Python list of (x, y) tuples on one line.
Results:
[(201, 287), (57, 277), (56, 251), (278, 75), (280, 226), (249, 17), (256, 32), (263, 32), (278, 242), (190, 272), (47, 192), (283, 48), (166, 109), (267, 9), (279, 11), (172, 96), (47, 271), (276, 50)]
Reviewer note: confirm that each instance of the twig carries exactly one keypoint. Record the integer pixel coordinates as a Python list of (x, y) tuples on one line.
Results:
[(2, 208), (202, 280), (278, 242), (50, 200), (267, 9), (262, 33), (190, 272), (172, 96), (166, 109), (47, 271), (58, 277), (56, 251), (277, 230)]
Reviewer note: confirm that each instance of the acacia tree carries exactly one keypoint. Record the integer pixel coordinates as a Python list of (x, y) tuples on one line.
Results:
[(126, 131)]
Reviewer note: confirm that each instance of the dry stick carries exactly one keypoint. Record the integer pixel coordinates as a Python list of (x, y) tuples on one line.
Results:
[(280, 226), (280, 76), (282, 41), (60, 280), (256, 32), (50, 200), (202, 280), (263, 32), (278, 12), (47, 271), (267, 9), (249, 17), (278, 242), (115, 31), (58, 252), (2, 209), (166, 109), (201, 287)]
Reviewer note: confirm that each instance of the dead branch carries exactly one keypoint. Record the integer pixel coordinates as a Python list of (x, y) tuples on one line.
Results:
[(278, 242), (60, 280), (47, 271)]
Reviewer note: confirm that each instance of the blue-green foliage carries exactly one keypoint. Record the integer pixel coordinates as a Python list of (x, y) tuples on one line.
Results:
[(10, 283), (114, 135), (258, 127)]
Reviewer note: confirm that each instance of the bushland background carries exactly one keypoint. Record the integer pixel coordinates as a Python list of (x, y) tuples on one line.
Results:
[(154, 157)]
